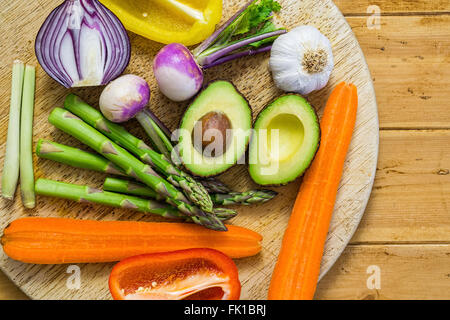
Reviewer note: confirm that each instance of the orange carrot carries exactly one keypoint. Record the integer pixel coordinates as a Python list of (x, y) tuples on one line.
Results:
[(60, 240), (297, 270)]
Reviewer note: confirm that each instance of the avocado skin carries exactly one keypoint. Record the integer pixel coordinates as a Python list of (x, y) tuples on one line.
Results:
[(205, 86), (318, 141)]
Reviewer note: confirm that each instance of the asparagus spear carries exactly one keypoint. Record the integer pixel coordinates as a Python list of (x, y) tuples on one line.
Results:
[(85, 160), (75, 157), (212, 185), (128, 187), (69, 123), (225, 213), (26, 138), (79, 193), (10, 174), (244, 198), (137, 189), (191, 188)]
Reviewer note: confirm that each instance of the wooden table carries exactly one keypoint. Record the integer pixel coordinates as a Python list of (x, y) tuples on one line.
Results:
[(401, 249)]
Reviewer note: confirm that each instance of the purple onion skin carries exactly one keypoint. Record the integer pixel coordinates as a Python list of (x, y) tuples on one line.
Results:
[(124, 97), (178, 75), (66, 22)]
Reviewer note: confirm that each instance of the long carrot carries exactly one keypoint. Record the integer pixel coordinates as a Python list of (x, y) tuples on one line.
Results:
[(297, 270), (60, 240)]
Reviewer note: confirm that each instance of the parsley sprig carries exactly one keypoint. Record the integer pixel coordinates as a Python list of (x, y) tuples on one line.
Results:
[(254, 22)]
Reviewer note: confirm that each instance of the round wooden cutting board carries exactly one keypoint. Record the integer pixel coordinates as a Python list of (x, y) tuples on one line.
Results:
[(251, 75)]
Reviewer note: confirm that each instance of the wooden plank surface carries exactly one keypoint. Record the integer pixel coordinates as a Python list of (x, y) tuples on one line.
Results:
[(49, 282), (394, 7), (405, 272), (409, 204), (416, 49), (410, 201), (409, 58), (9, 291)]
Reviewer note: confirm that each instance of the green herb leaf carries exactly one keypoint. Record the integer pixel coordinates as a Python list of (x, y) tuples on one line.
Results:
[(252, 17), (268, 27), (257, 13), (253, 21)]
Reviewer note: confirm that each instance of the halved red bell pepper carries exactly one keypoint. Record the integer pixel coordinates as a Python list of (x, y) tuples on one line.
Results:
[(191, 274)]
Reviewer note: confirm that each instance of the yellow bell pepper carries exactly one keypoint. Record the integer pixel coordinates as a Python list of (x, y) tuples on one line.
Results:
[(183, 21)]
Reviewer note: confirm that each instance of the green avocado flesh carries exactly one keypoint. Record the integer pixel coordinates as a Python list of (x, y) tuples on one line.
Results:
[(285, 141), (222, 108)]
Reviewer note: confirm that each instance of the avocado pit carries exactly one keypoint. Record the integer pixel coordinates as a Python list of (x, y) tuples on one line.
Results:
[(214, 124), (219, 111)]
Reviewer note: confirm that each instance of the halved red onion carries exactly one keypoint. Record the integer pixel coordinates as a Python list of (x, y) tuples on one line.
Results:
[(82, 43)]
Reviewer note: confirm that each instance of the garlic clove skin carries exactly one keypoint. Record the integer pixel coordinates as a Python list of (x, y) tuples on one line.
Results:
[(301, 60)]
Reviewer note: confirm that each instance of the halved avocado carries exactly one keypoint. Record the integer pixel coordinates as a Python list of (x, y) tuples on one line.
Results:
[(285, 141), (222, 108)]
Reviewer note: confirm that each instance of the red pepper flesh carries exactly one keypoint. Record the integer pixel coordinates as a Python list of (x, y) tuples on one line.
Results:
[(191, 274)]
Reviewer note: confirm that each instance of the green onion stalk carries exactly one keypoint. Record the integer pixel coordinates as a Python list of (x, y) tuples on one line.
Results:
[(10, 175), (26, 138)]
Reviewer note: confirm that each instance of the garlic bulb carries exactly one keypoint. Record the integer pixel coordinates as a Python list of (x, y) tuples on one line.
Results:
[(301, 60)]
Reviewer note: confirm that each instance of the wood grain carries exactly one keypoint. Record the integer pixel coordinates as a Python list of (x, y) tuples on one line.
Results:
[(409, 204), (348, 277), (411, 195), (406, 272), (269, 219), (416, 49), (409, 58), (394, 7), (9, 291)]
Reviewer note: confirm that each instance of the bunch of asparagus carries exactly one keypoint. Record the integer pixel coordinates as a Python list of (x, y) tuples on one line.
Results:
[(153, 172)]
